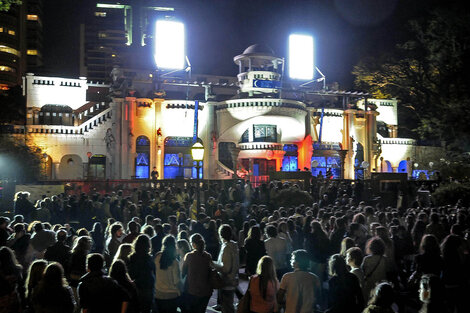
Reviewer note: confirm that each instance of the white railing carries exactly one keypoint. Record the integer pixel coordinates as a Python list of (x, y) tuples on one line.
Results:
[(224, 169), (398, 141)]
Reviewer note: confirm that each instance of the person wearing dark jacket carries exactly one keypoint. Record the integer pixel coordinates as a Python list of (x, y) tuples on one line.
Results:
[(98, 292), (142, 271), (59, 252)]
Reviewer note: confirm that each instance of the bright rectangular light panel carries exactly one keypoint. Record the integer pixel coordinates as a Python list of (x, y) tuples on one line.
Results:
[(301, 64), (169, 45)]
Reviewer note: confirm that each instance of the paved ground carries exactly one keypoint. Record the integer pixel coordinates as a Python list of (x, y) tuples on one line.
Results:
[(243, 285)]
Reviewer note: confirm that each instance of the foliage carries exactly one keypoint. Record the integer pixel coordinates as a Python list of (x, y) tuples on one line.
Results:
[(429, 75), (451, 193), (19, 161), (292, 197), (6, 4)]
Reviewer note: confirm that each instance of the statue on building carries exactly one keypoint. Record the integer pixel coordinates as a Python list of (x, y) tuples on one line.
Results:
[(109, 139), (119, 83)]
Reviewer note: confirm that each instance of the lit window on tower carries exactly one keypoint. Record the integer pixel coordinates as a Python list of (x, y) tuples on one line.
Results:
[(100, 14), (32, 17), (9, 50), (11, 32), (32, 52), (7, 69)]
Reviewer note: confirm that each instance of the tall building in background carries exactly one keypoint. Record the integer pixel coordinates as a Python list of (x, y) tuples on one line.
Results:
[(119, 33), (20, 42)]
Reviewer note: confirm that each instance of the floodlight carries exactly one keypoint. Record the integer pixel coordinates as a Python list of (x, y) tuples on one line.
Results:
[(169, 45), (301, 64)]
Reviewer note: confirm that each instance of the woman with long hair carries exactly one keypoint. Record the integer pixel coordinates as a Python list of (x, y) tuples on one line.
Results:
[(52, 294), (35, 274), (10, 279), (196, 268), (429, 260), (168, 284), (263, 287), (123, 253), (344, 292), (77, 267), (118, 271), (142, 271), (317, 246), (213, 244), (254, 246), (97, 235), (346, 244)]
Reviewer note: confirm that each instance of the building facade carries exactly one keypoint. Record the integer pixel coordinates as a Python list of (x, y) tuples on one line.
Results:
[(250, 126)]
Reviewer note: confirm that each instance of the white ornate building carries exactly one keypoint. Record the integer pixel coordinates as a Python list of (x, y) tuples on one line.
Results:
[(250, 125)]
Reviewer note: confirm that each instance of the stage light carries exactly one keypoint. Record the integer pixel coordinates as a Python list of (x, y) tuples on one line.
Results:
[(169, 45), (301, 64)]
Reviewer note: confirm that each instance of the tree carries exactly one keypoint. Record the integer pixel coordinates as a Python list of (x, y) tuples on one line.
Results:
[(19, 161), (429, 75), (6, 4)]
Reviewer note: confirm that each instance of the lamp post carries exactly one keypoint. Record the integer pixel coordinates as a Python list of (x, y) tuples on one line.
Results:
[(197, 152)]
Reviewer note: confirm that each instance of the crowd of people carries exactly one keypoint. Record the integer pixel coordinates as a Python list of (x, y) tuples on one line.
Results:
[(152, 250)]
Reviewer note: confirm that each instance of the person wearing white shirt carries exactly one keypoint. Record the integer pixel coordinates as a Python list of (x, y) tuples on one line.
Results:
[(278, 249)]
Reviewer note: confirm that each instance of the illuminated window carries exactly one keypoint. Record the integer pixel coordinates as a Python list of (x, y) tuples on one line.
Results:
[(100, 14), (102, 35), (32, 52), (11, 32), (9, 50), (1, 29), (264, 133), (7, 69), (32, 17)]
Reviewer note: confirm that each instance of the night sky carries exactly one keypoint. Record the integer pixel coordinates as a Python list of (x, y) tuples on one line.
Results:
[(344, 30)]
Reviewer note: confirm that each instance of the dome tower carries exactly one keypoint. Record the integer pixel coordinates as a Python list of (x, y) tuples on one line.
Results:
[(260, 70)]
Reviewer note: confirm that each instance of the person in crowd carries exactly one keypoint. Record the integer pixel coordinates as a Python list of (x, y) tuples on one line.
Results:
[(227, 265), (354, 257), (19, 242), (317, 246), (118, 272), (196, 268), (344, 290), (34, 276), (375, 265), (277, 248), (168, 284), (10, 281), (52, 294), (123, 253), (77, 266), (263, 287), (4, 232), (97, 236), (255, 249), (133, 230), (59, 252), (99, 293), (42, 238), (346, 244), (212, 243), (337, 235), (455, 272), (382, 299), (142, 271), (160, 232), (429, 260), (432, 294), (114, 239), (299, 290)]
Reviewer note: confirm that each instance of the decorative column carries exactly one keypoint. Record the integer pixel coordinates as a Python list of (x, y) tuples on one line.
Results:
[(342, 156), (234, 151)]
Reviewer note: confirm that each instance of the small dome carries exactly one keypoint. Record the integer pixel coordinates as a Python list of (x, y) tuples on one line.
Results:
[(259, 49)]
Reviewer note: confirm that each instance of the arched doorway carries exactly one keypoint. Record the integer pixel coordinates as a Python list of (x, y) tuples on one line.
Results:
[(71, 167), (403, 167)]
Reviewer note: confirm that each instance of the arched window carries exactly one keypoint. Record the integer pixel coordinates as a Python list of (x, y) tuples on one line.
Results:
[(142, 161)]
